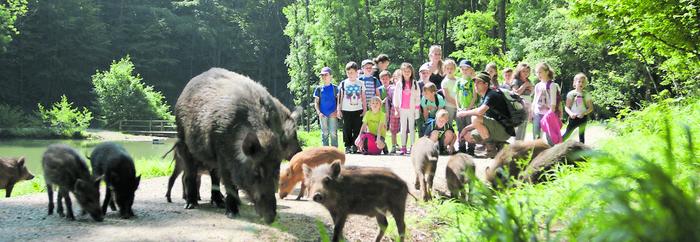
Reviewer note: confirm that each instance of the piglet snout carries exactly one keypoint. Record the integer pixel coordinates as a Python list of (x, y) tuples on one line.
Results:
[(318, 198)]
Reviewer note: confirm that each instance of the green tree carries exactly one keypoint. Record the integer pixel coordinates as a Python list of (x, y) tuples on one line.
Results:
[(67, 120), (663, 35), (9, 11), (121, 95)]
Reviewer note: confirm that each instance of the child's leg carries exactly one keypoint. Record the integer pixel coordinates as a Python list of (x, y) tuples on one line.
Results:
[(582, 131), (448, 140), (323, 121), (403, 119), (332, 128), (536, 130), (356, 124), (573, 124), (347, 130)]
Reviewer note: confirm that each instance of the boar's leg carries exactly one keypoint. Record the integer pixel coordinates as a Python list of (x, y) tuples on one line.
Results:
[(190, 177), (423, 186), (216, 197), (339, 221), (302, 190), (108, 198), (381, 221), (171, 181), (69, 204), (8, 189), (49, 190), (417, 184), (429, 184), (398, 210), (232, 199), (59, 200)]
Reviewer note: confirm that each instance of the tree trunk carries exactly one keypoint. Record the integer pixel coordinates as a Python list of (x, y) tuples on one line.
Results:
[(501, 18), (445, 17), (421, 30), (437, 20), (368, 15)]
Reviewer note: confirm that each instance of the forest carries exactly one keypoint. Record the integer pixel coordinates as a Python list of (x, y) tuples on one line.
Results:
[(634, 52)]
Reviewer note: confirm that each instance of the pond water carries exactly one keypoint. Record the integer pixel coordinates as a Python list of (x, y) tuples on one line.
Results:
[(34, 149)]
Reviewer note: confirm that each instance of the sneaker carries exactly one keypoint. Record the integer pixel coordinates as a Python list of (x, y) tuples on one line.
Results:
[(402, 151), (353, 149), (347, 150), (394, 149)]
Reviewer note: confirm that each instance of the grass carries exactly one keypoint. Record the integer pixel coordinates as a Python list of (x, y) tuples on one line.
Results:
[(641, 186)]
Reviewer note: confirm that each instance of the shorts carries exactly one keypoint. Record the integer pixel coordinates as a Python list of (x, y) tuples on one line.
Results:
[(496, 130)]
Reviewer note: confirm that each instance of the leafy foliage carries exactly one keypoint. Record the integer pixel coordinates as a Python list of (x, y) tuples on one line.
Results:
[(66, 119), (644, 192), (9, 11), (121, 95)]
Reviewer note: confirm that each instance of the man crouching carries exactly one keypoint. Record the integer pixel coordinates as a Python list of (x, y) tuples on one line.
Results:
[(485, 127)]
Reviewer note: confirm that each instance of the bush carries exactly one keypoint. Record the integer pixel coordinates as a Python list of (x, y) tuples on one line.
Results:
[(68, 121), (12, 117), (122, 95)]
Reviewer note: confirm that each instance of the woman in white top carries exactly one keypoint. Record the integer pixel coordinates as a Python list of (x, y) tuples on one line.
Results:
[(545, 98), (406, 100), (578, 106)]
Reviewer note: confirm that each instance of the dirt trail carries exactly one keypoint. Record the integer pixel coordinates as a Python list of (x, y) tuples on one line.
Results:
[(24, 218)]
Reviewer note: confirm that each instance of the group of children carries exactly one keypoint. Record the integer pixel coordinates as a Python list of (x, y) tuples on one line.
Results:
[(372, 100)]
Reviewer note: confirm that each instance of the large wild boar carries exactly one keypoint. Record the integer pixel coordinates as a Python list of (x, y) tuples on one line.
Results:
[(311, 157), (508, 156), (358, 190), (216, 197), (227, 121), (568, 152), (13, 170), (290, 142), (65, 168), (460, 168), (424, 155), (112, 162)]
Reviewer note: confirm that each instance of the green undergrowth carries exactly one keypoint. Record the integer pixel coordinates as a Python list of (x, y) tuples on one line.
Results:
[(641, 185), (147, 168)]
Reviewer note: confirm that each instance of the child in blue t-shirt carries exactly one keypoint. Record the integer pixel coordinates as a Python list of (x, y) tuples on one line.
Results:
[(325, 100), (371, 82)]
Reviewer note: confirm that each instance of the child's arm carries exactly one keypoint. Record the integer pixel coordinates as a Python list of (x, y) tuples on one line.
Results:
[(567, 108), (339, 105)]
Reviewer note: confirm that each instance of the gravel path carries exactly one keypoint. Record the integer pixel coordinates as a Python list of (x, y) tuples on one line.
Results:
[(24, 218)]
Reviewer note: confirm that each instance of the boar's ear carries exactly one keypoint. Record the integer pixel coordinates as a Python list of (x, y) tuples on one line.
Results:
[(20, 161), (296, 114), (307, 170), (335, 169), (138, 180), (251, 145)]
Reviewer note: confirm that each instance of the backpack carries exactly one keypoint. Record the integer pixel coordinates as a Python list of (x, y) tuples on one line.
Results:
[(516, 109)]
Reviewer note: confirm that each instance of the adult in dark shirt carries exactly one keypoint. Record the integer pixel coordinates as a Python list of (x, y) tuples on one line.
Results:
[(486, 127), (382, 62)]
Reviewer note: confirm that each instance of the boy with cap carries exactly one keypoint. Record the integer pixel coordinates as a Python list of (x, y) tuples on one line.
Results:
[(466, 98), (325, 102), (371, 82), (424, 79), (486, 127)]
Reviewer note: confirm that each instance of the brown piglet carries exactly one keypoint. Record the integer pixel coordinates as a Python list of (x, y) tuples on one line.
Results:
[(311, 157), (460, 168), (12, 170), (366, 191)]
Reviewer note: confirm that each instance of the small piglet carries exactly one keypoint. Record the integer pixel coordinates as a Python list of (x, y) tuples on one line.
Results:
[(311, 157), (64, 168), (460, 168), (424, 155), (358, 190), (111, 161), (12, 170)]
